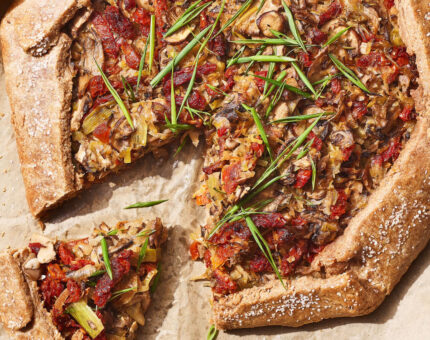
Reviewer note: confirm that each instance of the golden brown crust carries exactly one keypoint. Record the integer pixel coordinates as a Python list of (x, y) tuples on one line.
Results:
[(352, 276), (40, 91), (25, 317), (39, 22)]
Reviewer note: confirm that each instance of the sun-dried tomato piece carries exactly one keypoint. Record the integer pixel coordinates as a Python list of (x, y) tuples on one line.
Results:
[(222, 131), (260, 264), (64, 322), (260, 82), (359, 109), (129, 4), (230, 175), (132, 56), (111, 67), (97, 86), (203, 20), (313, 251), (224, 284), (223, 253), (305, 59), (388, 4), (303, 176), (229, 78), (317, 143), (101, 100), (257, 148), (406, 113), (143, 19), (161, 9), (65, 254), (218, 45), (74, 291), (291, 259), (272, 220), (346, 153), (339, 208), (333, 10), (400, 55), (55, 271), (197, 101), (317, 36), (229, 231), (108, 41), (207, 259), (298, 221), (373, 59), (393, 150), (184, 75), (279, 237), (35, 247), (210, 169), (51, 289), (102, 132), (194, 250), (120, 266), (119, 23), (78, 264), (335, 85)]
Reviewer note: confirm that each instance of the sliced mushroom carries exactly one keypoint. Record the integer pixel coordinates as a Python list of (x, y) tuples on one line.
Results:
[(374, 18), (180, 36), (32, 269), (91, 49), (342, 138), (82, 273), (84, 105), (270, 21)]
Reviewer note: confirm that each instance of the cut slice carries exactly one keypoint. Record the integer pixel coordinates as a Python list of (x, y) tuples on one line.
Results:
[(97, 287)]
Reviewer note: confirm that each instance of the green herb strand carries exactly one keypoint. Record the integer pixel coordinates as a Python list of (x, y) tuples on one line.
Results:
[(105, 253), (293, 27), (145, 204), (348, 73)]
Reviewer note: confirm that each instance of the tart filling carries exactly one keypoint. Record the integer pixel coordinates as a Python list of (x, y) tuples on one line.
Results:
[(98, 287)]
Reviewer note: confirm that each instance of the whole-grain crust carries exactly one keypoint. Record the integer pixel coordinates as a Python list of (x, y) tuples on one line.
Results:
[(354, 274), (22, 312)]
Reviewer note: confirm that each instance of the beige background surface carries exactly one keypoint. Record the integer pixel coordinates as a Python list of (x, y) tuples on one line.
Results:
[(180, 309)]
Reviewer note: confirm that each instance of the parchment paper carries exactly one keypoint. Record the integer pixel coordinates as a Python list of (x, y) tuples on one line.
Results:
[(180, 308)]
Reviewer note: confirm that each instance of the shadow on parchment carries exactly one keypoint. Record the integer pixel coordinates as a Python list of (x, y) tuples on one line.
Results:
[(98, 195), (381, 315)]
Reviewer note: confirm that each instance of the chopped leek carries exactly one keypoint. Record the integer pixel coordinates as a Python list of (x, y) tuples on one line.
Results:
[(86, 317)]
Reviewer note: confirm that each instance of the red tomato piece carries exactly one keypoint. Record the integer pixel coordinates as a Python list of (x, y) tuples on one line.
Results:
[(305, 59), (347, 152), (143, 19), (359, 109), (108, 41), (317, 36), (272, 220), (194, 250), (224, 283), (260, 264), (65, 254), (406, 113), (260, 82), (317, 143), (35, 247), (230, 175), (102, 132), (132, 56), (119, 23), (339, 208), (333, 10), (302, 178), (97, 86), (74, 291), (335, 85)]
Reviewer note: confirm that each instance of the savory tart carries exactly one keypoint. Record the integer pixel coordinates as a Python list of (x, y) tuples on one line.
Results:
[(315, 119), (97, 287)]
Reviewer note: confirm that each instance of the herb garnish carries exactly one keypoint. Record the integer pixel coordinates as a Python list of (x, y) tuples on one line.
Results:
[(145, 204), (293, 27), (348, 73), (106, 260)]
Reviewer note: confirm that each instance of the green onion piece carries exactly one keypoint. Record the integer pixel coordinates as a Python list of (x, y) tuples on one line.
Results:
[(288, 87), (260, 128), (348, 73), (243, 8), (142, 253), (178, 126), (106, 260), (303, 77), (172, 100), (264, 247), (294, 119), (120, 292), (269, 41), (112, 232), (265, 58), (156, 279), (154, 82), (142, 63), (86, 317), (213, 333), (115, 95), (314, 174), (151, 42), (336, 36), (189, 15), (145, 204), (293, 27)]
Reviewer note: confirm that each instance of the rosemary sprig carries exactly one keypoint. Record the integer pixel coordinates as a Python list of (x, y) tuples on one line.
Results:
[(151, 42), (145, 204), (288, 87), (106, 260), (142, 63), (189, 15), (293, 27), (304, 79), (142, 253), (336, 36), (348, 73), (181, 55), (120, 292), (314, 173), (243, 8), (235, 56), (213, 333), (115, 95), (294, 119), (264, 247), (265, 58), (260, 128), (196, 63)]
